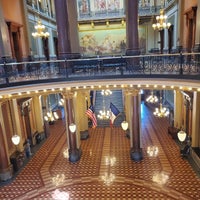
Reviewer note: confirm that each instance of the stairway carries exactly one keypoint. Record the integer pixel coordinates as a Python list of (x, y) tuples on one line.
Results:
[(116, 99)]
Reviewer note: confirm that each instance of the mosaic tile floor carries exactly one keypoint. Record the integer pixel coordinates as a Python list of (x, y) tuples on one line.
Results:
[(105, 170)]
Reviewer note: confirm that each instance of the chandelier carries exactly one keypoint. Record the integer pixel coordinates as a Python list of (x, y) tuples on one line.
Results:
[(104, 114), (40, 30), (161, 21), (161, 111), (51, 117), (106, 92), (152, 98)]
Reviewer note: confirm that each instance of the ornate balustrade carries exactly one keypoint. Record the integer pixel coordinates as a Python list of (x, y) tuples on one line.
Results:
[(181, 66)]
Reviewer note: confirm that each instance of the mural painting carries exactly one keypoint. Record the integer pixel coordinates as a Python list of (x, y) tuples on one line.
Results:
[(107, 42)]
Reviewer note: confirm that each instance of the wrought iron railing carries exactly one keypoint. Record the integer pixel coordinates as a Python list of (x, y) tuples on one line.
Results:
[(181, 66)]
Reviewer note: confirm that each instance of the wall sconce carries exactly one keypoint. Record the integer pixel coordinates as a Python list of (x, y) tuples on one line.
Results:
[(72, 127), (15, 139)]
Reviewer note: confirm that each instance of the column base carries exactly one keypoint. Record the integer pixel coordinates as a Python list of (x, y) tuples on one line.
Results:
[(179, 48), (196, 48), (6, 174), (132, 52), (74, 155), (63, 56), (136, 155)]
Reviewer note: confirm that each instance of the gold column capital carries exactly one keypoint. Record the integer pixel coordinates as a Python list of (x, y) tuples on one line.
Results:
[(132, 92), (69, 94)]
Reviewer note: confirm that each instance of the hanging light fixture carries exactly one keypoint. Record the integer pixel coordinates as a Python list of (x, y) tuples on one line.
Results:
[(104, 114), (161, 22), (106, 92), (51, 117), (40, 30), (161, 111), (152, 98)]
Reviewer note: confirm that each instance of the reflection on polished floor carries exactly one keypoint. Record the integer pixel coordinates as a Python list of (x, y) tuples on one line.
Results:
[(105, 170)]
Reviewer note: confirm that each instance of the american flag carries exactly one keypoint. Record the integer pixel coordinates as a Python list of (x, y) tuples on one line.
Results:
[(90, 113)]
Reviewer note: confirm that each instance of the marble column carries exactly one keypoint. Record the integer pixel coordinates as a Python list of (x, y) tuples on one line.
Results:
[(180, 24), (16, 122), (132, 28), (135, 126), (195, 120), (74, 150), (45, 108), (80, 111), (64, 46), (178, 109), (197, 33), (38, 113), (5, 167), (5, 48)]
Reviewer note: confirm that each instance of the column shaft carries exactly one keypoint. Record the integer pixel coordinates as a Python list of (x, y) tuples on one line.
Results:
[(178, 109), (132, 27), (64, 46), (195, 121), (136, 151), (37, 106), (74, 151), (5, 168)]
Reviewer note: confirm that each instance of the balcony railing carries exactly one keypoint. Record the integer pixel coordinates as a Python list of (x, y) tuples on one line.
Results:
[(180, 66)]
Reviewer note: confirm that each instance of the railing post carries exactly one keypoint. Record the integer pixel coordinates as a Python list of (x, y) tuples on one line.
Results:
[(121, 68), (181, 63), (6, 74), (143, 63), (66, 68)]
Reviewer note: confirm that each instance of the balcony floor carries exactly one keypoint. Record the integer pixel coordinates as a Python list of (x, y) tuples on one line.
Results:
[(166, 176)]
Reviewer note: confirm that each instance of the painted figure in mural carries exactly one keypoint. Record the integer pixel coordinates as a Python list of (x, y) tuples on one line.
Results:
[(123, 47), (84, 6), (100, 5), (113, 4)]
